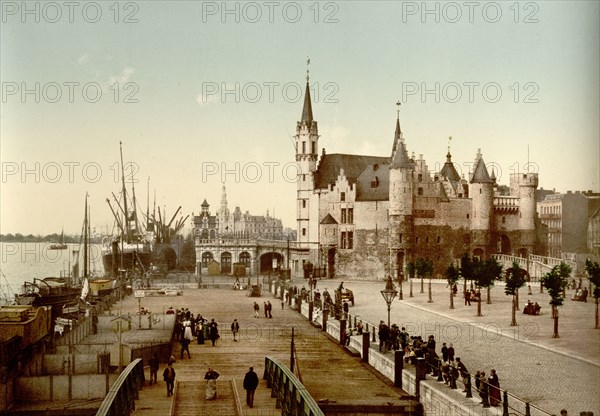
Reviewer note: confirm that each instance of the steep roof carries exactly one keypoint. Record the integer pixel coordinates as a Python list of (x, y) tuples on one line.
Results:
[(449, 171), (353, 165), (400, 157), (307, 114), (480, 174), (329, 220), (204, 204), (373, 184)]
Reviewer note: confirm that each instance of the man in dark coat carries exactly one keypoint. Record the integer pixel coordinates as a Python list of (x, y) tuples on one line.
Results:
[(250, 385), (169, 377), (154, 364)]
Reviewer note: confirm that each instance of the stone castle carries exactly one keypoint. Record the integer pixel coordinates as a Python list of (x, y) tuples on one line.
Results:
[(368, 216)]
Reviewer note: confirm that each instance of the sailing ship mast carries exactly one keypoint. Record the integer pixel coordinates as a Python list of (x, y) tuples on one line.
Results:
[(85, 239), (127, 229)]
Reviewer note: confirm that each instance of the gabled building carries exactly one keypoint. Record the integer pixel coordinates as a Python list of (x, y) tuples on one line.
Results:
[(371, 215)]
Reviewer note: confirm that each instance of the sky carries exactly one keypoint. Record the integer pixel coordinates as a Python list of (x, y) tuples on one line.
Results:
[(206, 93)]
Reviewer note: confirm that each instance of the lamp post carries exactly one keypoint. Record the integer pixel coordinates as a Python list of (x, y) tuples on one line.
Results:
[(389, 293)]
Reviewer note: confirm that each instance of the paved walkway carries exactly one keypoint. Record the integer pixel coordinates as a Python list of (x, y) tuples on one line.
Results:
[(550, 373), (328, 372)]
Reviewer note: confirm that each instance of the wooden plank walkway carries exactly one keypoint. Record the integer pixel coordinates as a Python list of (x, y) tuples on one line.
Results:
[(328, 371)]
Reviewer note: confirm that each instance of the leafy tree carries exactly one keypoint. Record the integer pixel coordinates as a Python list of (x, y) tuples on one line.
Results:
[(424, 268), (555, 281), (452, 276), (485, 273), (593, 270), (467, 269), (515, 279)]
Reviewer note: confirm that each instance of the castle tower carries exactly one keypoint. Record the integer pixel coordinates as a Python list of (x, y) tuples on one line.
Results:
[(482, 195), (401, 205), (525, 185), (307, 140)]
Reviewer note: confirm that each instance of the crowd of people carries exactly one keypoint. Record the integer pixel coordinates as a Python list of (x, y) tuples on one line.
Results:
[(448, 366)]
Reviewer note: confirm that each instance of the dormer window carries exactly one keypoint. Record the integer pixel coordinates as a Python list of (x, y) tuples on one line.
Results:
[(375, 166), (375, 182), (343, 196)]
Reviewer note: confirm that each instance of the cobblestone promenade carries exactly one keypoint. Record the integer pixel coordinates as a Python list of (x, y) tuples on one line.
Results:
[(550, 373)]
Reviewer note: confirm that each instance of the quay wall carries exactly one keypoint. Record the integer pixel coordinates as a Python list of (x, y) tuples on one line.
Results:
[(63, 387), (433, 397)]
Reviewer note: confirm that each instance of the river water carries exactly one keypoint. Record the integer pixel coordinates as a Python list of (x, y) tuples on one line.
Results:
[(21, 262)]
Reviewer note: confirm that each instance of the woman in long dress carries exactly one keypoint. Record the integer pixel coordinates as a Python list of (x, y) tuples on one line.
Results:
[(211, 384), (494, 388)]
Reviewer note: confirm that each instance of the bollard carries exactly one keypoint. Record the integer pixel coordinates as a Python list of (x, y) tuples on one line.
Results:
[(420, 374), (439, 372), (452, 379), (505, 403), (325, 316), (366, 344), (398, 367), (310, 311), (527, 410), (468, 387), (342, 331)]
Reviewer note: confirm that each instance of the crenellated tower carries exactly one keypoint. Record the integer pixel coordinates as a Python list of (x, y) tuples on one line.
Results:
[(401, 197), (524, 186), (307, 141)]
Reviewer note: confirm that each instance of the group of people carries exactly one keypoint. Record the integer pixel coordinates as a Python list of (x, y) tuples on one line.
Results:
[(267, 308), (471, 296), (450, 366), (211, 376)]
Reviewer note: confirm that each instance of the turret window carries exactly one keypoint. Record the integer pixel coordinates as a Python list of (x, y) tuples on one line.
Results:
[(303, 147), (304, 203), (420, 177), (314, 147), (420, 191), (343, 196)]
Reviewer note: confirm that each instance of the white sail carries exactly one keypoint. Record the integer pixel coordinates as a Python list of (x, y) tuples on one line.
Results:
[(85, 289)]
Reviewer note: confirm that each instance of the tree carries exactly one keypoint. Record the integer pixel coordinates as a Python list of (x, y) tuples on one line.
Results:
[(593, 270), (485, 273), (452, 276), (515, 279), (466, 269), (410, 269), (554, 281), (424, 268)]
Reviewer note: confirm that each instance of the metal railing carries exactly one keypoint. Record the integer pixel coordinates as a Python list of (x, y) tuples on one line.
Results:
[(120, 399), (291, 395)]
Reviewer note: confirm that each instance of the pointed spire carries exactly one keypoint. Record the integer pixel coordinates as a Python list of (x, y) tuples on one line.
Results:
[(307, 115), (480, 173), (398, 134)]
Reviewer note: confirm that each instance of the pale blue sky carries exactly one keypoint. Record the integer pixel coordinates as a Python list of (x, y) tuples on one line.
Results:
[(374, 55)]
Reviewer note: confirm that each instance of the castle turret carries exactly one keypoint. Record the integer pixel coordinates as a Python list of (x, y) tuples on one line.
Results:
[(401, 204), (307, 140), (481, 191)]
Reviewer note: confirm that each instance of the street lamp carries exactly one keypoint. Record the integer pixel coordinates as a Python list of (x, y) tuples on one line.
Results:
[(389, 293)]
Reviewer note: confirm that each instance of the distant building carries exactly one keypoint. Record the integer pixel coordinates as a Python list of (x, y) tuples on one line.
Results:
[(225, 238), (368, 216), (568, 216)]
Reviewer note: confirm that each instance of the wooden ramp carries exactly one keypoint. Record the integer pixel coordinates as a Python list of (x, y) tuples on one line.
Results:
[(189, 400)]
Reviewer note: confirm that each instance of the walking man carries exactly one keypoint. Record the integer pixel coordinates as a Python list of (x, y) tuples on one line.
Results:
[(266, 309), (153, 369), (256, 309), (169, 377), (250, 385), (235, 327), (270, 308)]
